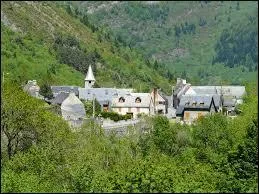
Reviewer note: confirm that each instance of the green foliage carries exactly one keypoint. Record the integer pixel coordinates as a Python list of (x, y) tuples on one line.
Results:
[(197, 30), (115, 116), (214, 155), (88, 104), (46, 91), (239, 46)]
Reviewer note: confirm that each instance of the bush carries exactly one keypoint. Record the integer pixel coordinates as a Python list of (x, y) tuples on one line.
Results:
[(115, 116)]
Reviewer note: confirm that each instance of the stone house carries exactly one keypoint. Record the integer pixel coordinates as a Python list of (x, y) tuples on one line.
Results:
[(133, 104), (33, 89), (193, 107)]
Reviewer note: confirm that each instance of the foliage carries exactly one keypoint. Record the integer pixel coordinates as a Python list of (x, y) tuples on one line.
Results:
[(214, 155), (115, 116), (46, 91), (239, 46), (187, 34), (88, 104)]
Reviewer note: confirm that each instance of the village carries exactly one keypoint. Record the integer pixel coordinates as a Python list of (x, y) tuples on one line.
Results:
[(186, 104)]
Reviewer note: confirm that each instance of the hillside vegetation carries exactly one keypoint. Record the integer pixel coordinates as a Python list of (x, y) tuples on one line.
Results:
[(208, 42), (39, 153), (42, 41)]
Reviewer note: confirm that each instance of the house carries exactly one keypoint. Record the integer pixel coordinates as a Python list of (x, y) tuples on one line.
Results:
[(229, 105), (72, 110), (193, 107), (133, 104), (33, 89)]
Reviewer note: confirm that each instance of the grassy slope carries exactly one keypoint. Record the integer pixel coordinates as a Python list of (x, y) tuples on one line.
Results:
[(197, 50), (40, 22)]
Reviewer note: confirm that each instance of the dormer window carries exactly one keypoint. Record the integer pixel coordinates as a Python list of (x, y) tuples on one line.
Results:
[(194, 103), (138, 100), (187, 103), (121, 99), (202, 103)]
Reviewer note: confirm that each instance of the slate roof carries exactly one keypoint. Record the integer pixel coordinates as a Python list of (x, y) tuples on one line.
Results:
[(235, 91), (229, 102), (72, 108), (194, 102), (60, 98), (57, 89), (102, 95), (130, 100)]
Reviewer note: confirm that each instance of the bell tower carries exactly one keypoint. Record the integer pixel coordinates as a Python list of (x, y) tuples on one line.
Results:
[(89, 79)]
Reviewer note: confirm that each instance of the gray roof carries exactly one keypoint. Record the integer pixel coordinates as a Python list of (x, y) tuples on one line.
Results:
[(235, 91), (102, 95), (229, 102), (130, 100), (194, 102), (57, 89), (72, 108), (60, 98)]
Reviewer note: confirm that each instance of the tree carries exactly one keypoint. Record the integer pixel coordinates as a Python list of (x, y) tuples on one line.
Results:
[(68, 9), (46, 91)]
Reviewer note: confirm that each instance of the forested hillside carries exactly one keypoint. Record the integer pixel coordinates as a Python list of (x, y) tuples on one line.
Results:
[(41, 40), (206, 42)]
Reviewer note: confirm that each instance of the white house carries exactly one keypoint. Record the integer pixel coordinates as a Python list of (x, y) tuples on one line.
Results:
[(133, 104)]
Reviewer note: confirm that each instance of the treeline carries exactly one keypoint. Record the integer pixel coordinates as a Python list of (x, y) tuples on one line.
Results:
[(40, 154), (238, 46)]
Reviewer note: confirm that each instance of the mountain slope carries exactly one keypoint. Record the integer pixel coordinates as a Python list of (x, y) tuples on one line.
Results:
[(49, 25), (181, 35)]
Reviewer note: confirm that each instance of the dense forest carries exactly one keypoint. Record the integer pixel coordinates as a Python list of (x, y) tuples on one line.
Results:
[(39, 153), (203, 41)]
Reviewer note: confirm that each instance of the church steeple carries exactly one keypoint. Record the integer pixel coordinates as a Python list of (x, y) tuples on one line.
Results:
[(89, 79)]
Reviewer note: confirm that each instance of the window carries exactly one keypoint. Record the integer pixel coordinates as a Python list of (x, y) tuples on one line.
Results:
[(161, 102), (138, 100), (138, 109), (187, 103), (121, 99), (89, 82), (202, 103), (129, 109), (194, 103)]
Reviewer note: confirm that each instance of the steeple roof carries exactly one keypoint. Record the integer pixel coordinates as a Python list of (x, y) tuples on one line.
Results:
[(90, 75)]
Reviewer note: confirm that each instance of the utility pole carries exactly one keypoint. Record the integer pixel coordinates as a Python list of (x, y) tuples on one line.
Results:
[(93, 106)]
